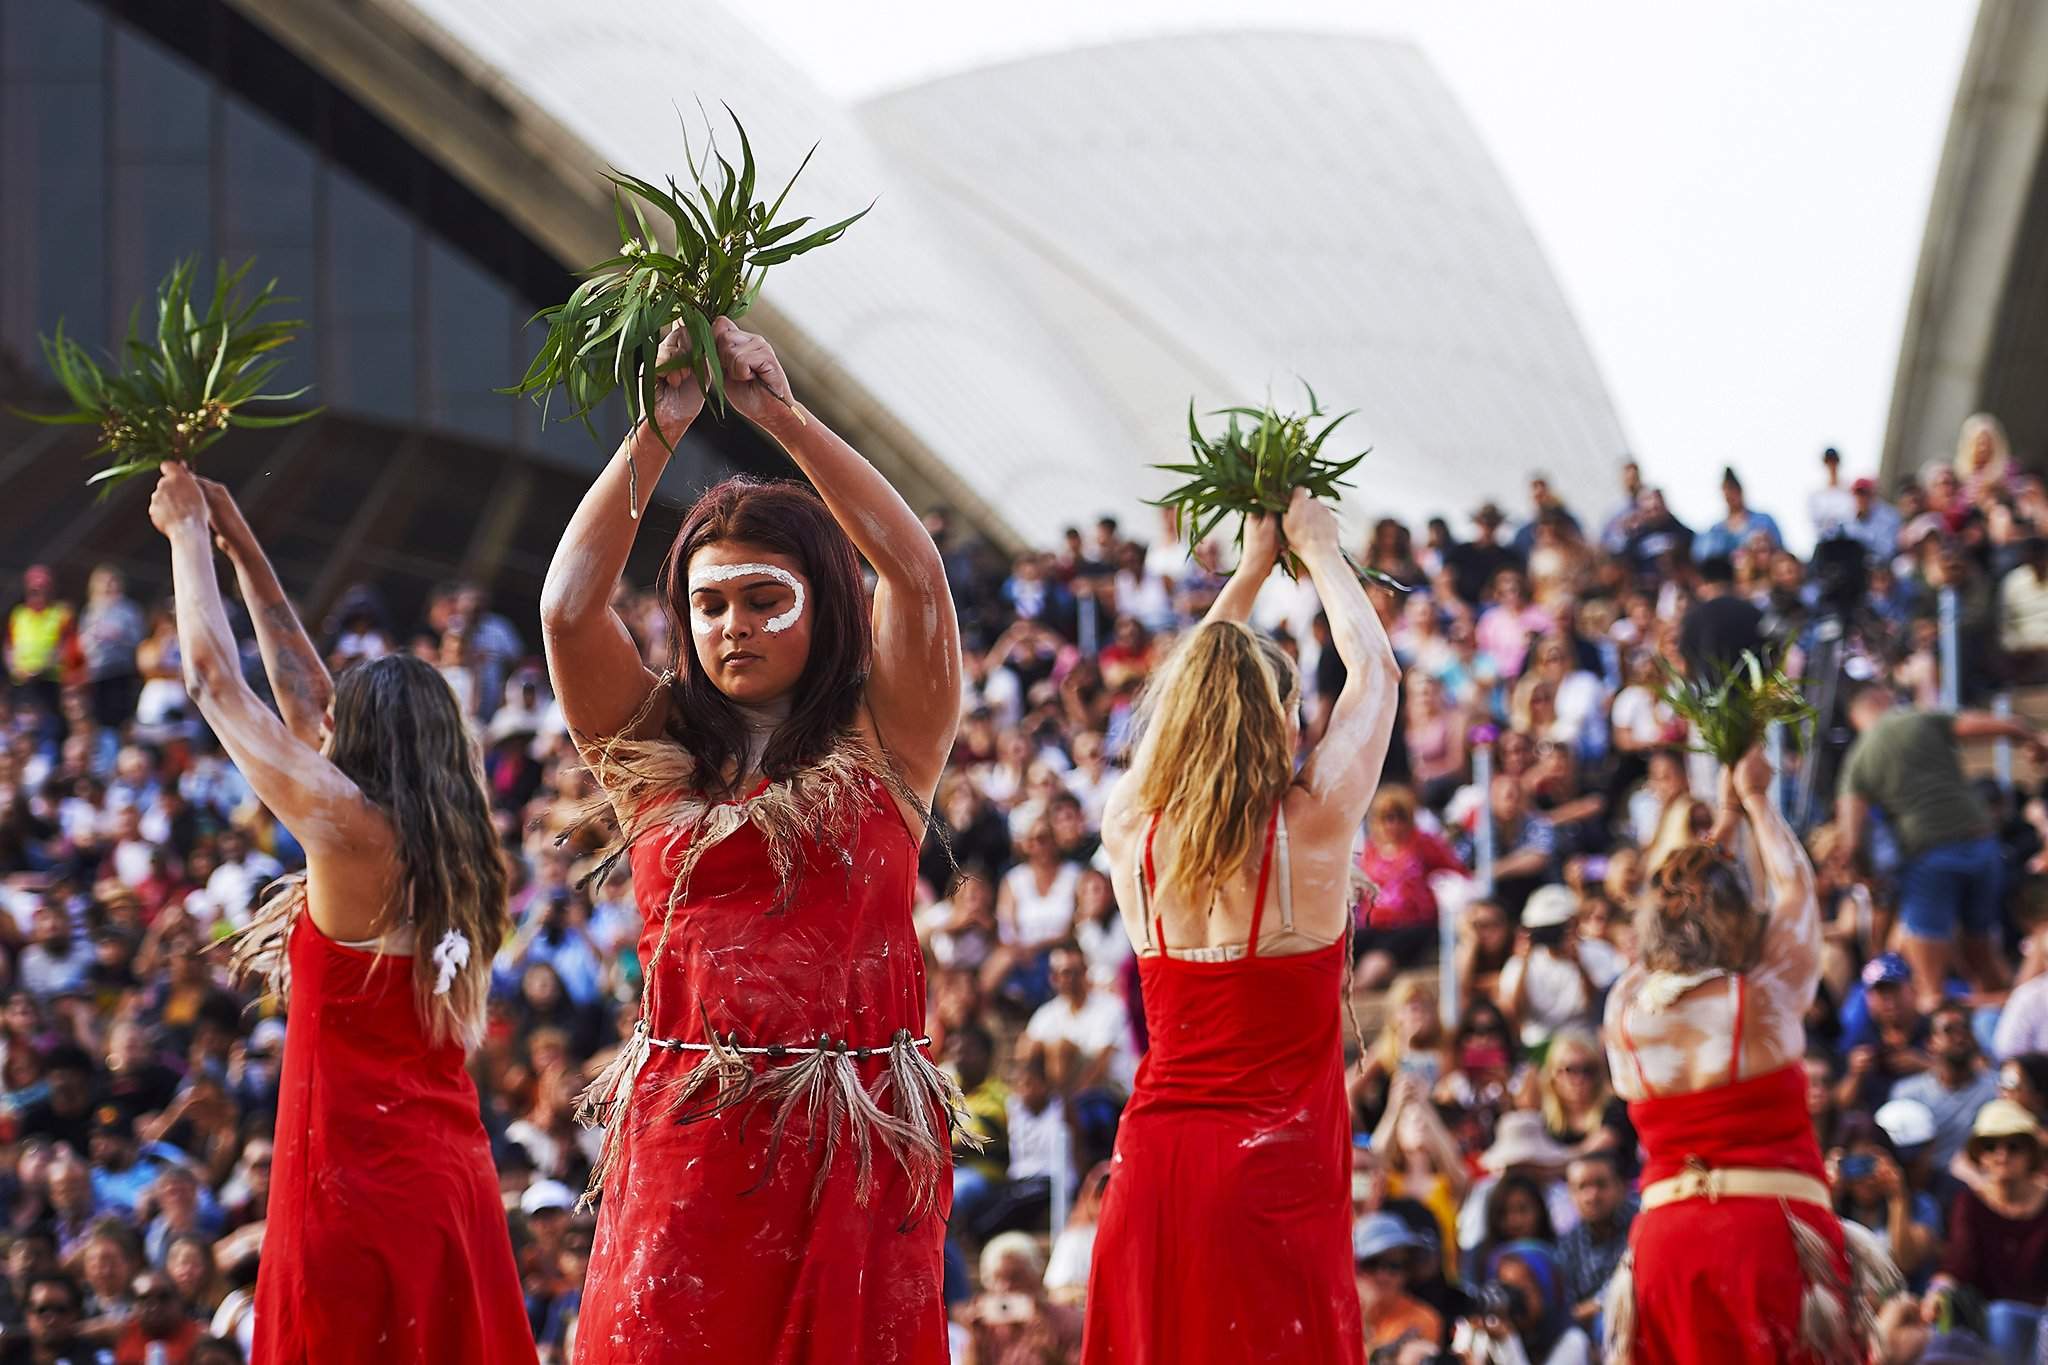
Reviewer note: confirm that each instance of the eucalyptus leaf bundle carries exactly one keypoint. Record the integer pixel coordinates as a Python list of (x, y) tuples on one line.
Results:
[(1254, 465), (686, 255), (1732, 715), (179, 387)]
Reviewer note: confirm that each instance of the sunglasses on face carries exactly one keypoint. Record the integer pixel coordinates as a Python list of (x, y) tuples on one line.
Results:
[(1384, 1265), (2016, 1146), (1576, 1069)]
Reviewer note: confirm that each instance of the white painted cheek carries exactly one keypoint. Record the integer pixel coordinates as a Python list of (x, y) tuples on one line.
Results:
[(776, 624)]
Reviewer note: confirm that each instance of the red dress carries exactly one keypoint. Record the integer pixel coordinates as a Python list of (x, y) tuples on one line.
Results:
[(1226, 1226), (386, 1238), (756, 1210), (1719, 1282)]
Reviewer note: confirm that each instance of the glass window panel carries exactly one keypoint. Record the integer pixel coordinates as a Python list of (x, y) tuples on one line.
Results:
[(371, 368), (162, 103), (162, 214), (471, 325), (53, 204), (370, 251), (268, 184), (51, 40)]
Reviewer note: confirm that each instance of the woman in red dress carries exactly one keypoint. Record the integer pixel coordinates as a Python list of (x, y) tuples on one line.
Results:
[(776, 1167), (1737, 1257), (1226, 1228), (386, 1238)]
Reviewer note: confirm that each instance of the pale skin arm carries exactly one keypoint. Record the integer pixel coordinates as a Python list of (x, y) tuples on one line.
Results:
[(1788, 972), (595, 667), (1261, 553), (299, 681), (1343, 770), (323, 809), (913, 694)]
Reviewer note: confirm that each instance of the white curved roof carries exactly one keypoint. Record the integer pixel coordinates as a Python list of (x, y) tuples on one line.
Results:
[(1066, 249)]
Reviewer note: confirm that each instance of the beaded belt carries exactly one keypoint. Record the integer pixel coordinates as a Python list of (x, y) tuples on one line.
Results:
[(730, 1043)]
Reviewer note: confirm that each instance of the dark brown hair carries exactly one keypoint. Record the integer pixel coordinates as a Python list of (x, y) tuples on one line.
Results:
[(1697, 915), (791, 519)]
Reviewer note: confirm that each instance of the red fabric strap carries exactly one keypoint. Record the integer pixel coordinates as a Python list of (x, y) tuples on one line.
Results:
[(1259, 902)]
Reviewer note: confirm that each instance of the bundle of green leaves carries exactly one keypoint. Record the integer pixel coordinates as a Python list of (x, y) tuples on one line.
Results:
[(1254, 465), (178, 388), (687, 256), (1732, 713)]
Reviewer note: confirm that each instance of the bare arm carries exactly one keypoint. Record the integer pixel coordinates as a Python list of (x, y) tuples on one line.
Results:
[(298, 678), (321, 807), (914, 691), (1343, 770), (1254, 567), (1788, 970), (595, 667)]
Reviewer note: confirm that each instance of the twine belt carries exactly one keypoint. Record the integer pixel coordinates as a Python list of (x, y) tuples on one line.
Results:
[(826, 1043), (1712, 1184)]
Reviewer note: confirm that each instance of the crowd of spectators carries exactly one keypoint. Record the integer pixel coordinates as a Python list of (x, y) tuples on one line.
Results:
[(1493, 1167)]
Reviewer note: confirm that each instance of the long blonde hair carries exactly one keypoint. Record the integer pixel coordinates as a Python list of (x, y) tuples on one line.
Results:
[(1215, 755), (1573, 1039)]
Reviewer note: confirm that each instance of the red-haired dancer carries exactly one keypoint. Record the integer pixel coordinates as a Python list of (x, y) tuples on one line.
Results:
[(1737, 1258), (1226, 1228), (386, 1239), (776, 1166)]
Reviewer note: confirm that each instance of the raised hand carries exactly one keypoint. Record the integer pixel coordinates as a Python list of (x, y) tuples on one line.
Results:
[(680, 397), (1261, 541), (230, 529), (754, 382), (178, 503), (1308, 524)]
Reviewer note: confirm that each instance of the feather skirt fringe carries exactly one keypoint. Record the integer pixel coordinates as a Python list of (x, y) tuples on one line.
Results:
[(1836, 1320), (910, 1112)]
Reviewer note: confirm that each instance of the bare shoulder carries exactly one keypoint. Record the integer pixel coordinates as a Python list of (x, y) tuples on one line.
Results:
[(1622, 992), (1314, 820)]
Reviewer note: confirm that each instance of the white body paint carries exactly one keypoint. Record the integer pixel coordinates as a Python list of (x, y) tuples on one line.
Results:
[(725, 573)]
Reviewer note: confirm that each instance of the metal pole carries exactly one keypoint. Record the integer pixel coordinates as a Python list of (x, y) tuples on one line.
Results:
[(1062, 1176), (1951, 653), (1482, 842), (1447, 967), (1774, 749), (2001, 750)]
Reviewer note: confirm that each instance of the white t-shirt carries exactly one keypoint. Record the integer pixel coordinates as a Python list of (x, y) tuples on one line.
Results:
[(1556, 995), (1100, 1024), (1035, 1138), (1067, 1266), (1641, 714), (1041, 917)]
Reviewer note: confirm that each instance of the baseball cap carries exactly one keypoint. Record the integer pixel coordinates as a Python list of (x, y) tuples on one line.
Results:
[(1908, 1123), (112, 1118), (1549, 906), (543, 1195), (267, 1037), (1379, 1233), (1864, 485), (1888, 969)]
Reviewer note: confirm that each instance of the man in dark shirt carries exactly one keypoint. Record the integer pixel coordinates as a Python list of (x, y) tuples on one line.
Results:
[(56, 1308), (1909, 765), (1473, 564), (1590, 1252), (1720, 627), (1657, 538), (65, 1114)]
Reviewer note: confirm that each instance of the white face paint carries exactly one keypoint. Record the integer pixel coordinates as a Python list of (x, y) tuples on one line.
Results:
[(725, 573)]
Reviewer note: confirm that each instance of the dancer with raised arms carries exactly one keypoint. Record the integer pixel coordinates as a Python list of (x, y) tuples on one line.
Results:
[(1737, 1256), (1226, 1228), (776, 1168), (386, 1238)]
